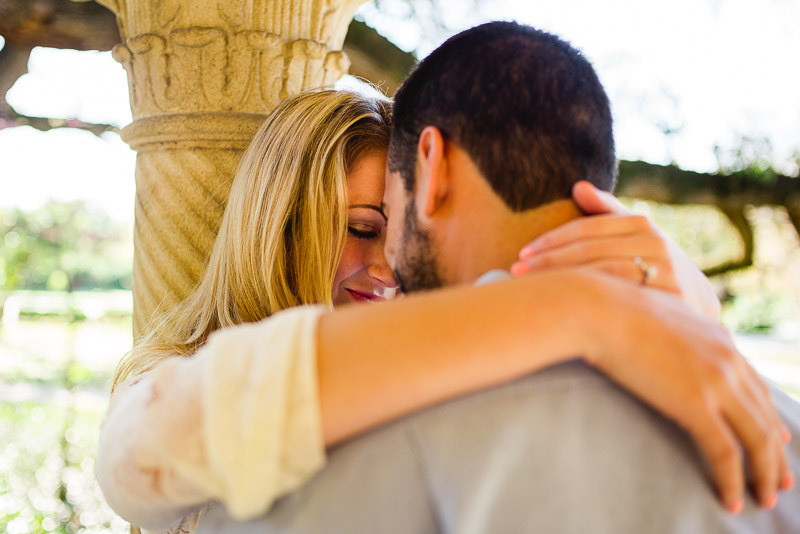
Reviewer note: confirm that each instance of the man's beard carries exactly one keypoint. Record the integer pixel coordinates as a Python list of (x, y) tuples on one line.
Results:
[(416, 268)]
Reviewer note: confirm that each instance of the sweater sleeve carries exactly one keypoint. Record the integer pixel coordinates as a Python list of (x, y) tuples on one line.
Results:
[(238, 422)]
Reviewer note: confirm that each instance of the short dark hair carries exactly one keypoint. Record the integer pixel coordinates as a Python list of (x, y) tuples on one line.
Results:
[(526, 106)]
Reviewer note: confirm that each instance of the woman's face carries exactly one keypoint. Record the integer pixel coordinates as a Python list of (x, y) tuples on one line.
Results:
[(363, 274)]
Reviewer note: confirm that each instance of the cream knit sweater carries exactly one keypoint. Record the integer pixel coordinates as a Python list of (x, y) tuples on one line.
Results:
[(238, 423)]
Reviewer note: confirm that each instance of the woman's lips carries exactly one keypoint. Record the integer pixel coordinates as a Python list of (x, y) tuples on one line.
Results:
[(362, 297)]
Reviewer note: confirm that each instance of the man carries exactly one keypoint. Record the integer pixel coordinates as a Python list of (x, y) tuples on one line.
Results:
[(475, 172)]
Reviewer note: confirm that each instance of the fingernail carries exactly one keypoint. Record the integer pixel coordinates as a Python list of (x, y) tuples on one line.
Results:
[(786, 435), (770, 502), (788, 482), (520, 268), (736, 506), (526, 253)]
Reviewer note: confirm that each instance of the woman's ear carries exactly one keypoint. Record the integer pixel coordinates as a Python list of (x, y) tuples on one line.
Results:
[(432, 176)]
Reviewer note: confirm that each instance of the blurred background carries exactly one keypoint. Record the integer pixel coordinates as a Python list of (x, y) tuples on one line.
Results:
[(707, 123)]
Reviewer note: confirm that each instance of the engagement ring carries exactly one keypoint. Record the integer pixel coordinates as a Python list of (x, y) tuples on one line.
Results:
[(648, 271)]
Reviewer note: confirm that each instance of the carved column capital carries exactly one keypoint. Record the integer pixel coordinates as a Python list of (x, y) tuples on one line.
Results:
[(187, 56), (210, 69)]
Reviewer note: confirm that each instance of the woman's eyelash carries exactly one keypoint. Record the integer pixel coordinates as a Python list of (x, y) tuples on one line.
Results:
[(360, 234)]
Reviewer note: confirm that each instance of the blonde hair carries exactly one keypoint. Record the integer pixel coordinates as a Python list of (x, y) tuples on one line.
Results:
[(280, 239)]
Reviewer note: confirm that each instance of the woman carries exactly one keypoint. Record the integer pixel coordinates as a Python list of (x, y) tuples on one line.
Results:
[(247, 417)]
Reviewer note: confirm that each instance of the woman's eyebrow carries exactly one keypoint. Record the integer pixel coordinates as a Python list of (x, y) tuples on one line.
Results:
[(369, 207)]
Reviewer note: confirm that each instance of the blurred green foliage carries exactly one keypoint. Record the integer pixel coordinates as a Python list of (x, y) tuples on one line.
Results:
[(59, 348), (54, 379), (64, 246), (47, 459)]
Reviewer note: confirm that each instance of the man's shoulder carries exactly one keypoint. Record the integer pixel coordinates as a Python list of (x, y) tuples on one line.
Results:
[(573, 383), (569, 438), (568, 406)]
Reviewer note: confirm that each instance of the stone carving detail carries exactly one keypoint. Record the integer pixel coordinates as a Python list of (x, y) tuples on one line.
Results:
[(207, 69), (324, 21), (180, 199)]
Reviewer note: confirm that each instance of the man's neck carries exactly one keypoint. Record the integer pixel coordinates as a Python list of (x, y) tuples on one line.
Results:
[(496, 242)]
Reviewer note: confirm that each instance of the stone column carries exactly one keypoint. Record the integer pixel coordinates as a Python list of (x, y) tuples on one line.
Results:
[(202, 75)]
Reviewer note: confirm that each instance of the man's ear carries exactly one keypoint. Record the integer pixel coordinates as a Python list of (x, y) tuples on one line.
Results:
[(433, 177)]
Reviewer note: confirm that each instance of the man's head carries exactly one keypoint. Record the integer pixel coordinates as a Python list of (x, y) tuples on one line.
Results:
[(520, 107)]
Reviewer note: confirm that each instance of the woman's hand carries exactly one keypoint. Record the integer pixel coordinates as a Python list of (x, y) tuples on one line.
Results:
[(611, 240), (688, 369)]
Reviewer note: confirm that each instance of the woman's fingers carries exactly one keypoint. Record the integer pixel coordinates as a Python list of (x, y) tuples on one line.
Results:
[(614, 255), (759, 394), (625, 268), (607, 217), (693, 373), (587, 228), (609, 235), (721, 447), (759, 441), (588, 250), (744, 402), (593, 201), (785, 474)]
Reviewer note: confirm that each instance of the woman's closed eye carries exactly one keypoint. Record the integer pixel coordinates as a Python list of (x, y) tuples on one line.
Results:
[(362, 233)]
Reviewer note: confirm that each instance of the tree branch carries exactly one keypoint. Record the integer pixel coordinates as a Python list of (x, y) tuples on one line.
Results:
[(375, 58), (739, 221), (729, 193), (669, 184), (9, 118), (794, 216), (58, 24), (13, 64)]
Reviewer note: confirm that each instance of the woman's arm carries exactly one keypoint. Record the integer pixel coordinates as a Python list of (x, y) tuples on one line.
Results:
[(378, 363), (240, 421), (167, 445)]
